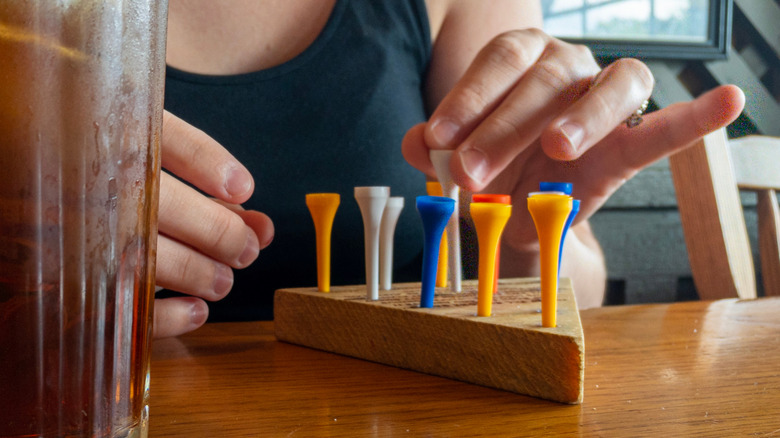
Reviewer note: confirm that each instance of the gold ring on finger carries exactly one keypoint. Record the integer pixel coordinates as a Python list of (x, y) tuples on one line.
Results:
[(636, 118)]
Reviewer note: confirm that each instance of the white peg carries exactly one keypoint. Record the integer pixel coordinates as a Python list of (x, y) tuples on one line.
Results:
[(372, 201), (441, 162), (386, 232)]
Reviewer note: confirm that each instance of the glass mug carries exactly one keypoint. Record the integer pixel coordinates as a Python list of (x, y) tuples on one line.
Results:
[(81, 92)]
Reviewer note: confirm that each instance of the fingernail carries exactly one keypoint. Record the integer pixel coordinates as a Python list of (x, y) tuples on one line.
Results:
[(199, 313), (251, 249), (573, 134), (223, 280), (268, 240), (237, 182), (474, 162), (444, 132)]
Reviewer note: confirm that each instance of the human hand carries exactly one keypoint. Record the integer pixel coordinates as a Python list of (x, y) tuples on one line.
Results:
[(532, 108), (200, 239)]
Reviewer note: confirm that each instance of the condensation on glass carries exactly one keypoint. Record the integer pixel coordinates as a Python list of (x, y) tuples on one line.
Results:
[(80, 118)]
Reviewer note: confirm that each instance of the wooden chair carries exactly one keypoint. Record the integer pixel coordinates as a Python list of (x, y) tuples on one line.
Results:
[(707, 178)]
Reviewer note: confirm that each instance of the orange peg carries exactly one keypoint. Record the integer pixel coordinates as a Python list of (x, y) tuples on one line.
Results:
[(440, 159), (489, 220), (433, 188), (549, 212), (322, 207), (499, 199)]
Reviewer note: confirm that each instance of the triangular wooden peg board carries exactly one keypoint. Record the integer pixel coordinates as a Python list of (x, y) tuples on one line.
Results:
[(509, 350)]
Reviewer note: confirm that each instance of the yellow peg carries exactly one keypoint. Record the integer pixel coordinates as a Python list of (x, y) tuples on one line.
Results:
[(433, 188), (322, 207), (549, 212), (489, 220)]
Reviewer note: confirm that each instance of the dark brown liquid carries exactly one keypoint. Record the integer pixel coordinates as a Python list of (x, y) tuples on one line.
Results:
[(79, 129), (74, 356)]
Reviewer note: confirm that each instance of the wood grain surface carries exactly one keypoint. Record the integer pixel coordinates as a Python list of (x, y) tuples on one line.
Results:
[(508, 350), (712, 220), (687, 369)]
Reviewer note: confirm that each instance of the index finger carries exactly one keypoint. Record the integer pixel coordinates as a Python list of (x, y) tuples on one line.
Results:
[(194, 156), (488, 80)]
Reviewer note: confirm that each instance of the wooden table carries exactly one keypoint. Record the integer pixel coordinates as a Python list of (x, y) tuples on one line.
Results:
[(686, 369)]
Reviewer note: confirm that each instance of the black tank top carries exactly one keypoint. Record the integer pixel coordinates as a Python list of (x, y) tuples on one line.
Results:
[(326, 121)]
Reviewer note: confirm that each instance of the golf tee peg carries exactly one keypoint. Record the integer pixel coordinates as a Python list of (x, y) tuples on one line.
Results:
[(322, 207), (492, 198), (433, 188), (435, 212), (441, 163), (489, 220), (549, 212), (564, 187), (386, 232), (545, 193), (575, 208), (372, 201), (499, 199)]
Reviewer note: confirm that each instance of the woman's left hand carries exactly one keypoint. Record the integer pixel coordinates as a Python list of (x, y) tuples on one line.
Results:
[(532, 108)]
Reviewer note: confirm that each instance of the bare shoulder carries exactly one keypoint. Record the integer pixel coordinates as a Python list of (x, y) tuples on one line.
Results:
[(460, 28), (475, 15)]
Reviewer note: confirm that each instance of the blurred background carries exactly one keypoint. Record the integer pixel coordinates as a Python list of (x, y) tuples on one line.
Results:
[(691, 46)]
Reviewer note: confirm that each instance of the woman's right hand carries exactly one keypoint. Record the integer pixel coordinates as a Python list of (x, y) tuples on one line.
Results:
[(201, 239)]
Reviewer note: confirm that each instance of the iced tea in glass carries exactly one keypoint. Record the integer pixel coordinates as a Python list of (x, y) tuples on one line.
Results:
[(80, 118)]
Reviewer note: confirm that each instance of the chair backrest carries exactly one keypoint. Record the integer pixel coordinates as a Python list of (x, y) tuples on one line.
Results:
[(707, 179)]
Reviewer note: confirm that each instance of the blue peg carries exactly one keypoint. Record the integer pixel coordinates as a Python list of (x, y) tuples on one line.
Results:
[(575, 208), (434, 211), (564, 187)]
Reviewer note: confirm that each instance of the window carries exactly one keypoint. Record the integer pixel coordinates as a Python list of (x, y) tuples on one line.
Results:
[(689, 29)]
